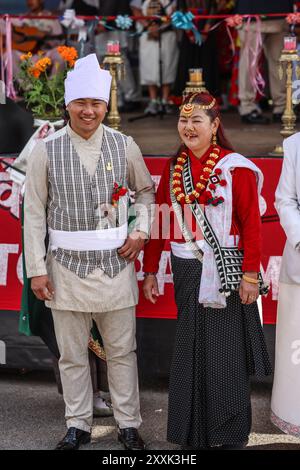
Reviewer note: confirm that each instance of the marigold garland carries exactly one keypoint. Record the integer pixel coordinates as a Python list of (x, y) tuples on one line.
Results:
[(199, 193)]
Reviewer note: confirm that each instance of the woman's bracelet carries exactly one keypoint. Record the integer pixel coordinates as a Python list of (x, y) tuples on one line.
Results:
[(250, 280), (149, 274)]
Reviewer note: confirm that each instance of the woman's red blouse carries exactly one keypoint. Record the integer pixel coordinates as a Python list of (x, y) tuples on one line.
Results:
[(246, 221)]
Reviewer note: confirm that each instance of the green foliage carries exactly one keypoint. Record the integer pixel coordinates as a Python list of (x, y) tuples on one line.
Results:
[(43, 93)]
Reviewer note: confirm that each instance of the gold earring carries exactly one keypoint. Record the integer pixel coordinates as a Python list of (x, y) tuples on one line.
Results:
[(214, 139)]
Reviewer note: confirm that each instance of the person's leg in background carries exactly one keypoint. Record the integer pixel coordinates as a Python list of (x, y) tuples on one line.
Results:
[(273, 45), (153, 105), (169, 62), (149, 71), (168, 107), (98, 368), (130, 95), (249, 110)]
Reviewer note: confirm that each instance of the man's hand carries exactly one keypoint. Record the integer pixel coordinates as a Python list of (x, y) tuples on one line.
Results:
[(42, 287), (133, 245), (150, 288)]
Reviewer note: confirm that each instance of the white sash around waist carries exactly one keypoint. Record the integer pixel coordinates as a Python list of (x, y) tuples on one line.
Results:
[(88, 240), (181, 250)]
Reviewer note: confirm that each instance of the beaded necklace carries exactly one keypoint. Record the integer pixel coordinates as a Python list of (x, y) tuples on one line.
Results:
[(199, 193)]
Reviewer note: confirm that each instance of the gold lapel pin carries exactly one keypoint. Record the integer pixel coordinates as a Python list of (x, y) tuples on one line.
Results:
[(108, 166)]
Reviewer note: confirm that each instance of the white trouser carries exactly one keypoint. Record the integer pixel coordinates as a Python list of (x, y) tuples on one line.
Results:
[(117, 329)]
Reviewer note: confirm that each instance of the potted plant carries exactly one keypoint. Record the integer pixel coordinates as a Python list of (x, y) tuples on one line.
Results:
[(44, 93)]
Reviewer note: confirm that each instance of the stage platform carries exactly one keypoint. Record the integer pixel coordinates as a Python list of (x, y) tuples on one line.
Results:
[(160, 137)]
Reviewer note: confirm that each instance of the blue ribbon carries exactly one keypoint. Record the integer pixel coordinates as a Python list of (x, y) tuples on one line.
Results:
[(123, 22), (179, 19), (184, 21)]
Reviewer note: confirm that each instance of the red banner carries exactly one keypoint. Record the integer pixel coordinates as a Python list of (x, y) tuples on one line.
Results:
[(11, 249), (11, 275)]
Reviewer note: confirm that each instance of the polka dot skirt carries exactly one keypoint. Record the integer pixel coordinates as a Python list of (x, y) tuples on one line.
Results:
[(215, 352)]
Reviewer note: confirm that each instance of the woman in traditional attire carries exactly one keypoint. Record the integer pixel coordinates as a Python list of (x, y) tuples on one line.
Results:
[(215, 234), (285, 402)]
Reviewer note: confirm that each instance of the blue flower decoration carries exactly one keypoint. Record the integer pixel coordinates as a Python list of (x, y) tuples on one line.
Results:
[(123, 22), (184, 21)]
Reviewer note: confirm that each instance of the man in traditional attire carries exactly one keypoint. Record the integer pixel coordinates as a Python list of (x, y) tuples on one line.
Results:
[(88, 274), (285, 403)]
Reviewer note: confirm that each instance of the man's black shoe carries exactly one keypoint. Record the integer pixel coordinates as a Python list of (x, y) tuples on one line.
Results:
[(131, 439), (255, 118), (74, 439)]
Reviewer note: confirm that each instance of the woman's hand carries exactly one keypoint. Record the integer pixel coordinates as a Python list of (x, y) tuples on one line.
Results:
[(249, 292), (150, 288)]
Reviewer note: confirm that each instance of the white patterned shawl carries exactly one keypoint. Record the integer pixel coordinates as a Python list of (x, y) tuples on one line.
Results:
[(220, 218)]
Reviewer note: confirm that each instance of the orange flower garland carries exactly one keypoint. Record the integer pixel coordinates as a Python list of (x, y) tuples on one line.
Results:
[(68, 54), (200, 194)]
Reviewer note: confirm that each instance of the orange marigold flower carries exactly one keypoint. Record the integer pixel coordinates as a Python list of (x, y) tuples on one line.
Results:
[(34, 72), (42, 64), (68, 54), (26, 56)]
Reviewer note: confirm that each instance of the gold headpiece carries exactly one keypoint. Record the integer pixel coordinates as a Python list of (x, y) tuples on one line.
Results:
[(187, 109)]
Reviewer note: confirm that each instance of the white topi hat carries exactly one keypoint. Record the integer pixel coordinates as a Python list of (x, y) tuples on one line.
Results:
[(87, 80)]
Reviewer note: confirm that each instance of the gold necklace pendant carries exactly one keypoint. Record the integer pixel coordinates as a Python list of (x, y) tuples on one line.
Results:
[(108, 166)]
